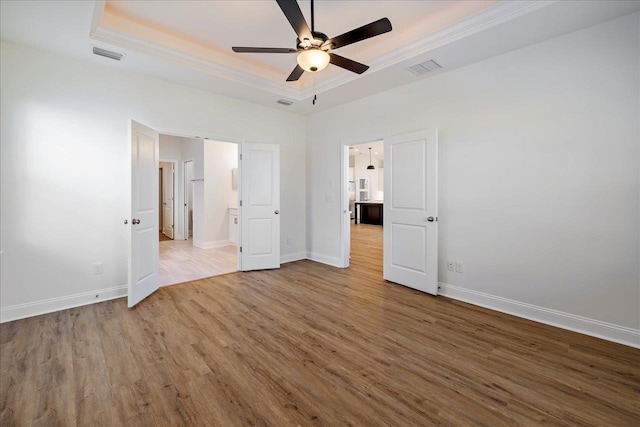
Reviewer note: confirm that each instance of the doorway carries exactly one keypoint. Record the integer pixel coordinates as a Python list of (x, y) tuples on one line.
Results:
[(409, 198), (257, 219), (188, 202), (204, 243), (363, 182), (166, 197)]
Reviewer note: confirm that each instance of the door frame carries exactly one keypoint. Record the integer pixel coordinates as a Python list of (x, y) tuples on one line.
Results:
[(194, 135), (345, 218), (175, 183), (185, 191)]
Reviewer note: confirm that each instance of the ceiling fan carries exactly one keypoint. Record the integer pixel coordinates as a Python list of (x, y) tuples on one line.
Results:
[(313, 47)]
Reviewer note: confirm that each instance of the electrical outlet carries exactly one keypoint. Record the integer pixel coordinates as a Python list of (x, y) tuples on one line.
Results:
[(459, 267), (450, 265), (97, 268)]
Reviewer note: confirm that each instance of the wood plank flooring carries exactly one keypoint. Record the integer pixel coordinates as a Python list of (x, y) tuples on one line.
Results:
[(308, 345), (181, 261)]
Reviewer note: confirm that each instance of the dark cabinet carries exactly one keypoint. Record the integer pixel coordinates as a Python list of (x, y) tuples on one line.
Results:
[(369, 213)]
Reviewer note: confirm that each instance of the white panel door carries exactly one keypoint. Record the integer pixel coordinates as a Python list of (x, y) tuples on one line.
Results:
[(411, 210), (167, 199), (260, 206), (143, 251)]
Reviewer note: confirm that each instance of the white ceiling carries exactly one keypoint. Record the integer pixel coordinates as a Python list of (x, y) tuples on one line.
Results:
[(377, 150), (189, 42)]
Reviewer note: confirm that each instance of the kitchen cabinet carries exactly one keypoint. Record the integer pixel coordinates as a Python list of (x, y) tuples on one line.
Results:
[(369, 213), (362, 189)]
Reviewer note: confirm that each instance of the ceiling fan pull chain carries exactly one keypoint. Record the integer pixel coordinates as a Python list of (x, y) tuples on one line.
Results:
[(315, 97)]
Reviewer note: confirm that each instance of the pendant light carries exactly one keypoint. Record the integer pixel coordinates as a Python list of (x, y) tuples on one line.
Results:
[(370, 167)]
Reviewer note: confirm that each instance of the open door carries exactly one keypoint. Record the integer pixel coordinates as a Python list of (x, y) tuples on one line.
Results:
[(411, 210), (143, 251), (259, 206), (168, 174)]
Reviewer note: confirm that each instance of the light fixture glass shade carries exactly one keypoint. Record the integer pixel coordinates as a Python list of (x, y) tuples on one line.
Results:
[(313, 60)]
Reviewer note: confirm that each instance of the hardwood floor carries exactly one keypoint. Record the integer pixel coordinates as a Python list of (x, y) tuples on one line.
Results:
[(181, 261), (308, 345)]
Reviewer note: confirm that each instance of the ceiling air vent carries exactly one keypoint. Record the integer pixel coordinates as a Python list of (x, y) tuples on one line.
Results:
[(107, 53), (284, 102), (424, 67)]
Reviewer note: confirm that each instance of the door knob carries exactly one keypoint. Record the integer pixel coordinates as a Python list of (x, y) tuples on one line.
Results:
[(276, 212), (430, 219), (135, 221), (126, 221)]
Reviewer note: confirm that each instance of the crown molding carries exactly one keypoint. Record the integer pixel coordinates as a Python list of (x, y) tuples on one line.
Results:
[(128, 41), (491, 17)]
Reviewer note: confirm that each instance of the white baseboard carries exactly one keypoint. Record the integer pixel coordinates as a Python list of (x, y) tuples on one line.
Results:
[(21, 311), (325, 259), (572, 322), (297, 256), (208, 245)]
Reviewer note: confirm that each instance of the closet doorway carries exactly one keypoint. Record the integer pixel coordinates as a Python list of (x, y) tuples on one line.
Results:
[(166, 175)]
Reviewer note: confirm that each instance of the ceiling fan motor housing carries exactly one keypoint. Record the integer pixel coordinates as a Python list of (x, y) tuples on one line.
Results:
[(313, 46), (318, 41)]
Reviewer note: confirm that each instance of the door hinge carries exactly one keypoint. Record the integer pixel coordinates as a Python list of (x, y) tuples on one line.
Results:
[(240, 156), (240, 248), (240, 202)]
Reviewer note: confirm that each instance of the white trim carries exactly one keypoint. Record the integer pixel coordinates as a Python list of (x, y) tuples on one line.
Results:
[(128, 41), (488, 18), (495, 15), (176, 234), (21, 311), (572, 322), (213, 244), (345, 224), (297, 256), (325, 259)]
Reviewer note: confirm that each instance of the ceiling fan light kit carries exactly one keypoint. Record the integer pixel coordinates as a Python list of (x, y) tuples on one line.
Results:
[(314, 48), (313, 59)]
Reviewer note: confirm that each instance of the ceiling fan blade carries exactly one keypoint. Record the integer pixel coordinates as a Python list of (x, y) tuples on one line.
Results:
[(295, 74), (347, 64), (293, 13), (263, 50), (373, 29)]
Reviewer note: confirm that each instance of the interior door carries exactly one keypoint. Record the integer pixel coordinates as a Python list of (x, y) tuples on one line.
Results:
[(167, 199), (411, 210), (144, 250), (260, 206)]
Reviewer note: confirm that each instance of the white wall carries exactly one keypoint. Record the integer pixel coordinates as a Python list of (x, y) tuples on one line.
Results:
[(181, 149), (193, 149), (539, 174), (64, 131), (213, 162), (219, 159), (361, 163)]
